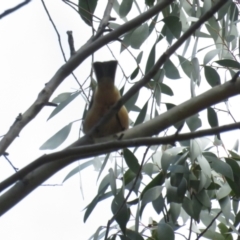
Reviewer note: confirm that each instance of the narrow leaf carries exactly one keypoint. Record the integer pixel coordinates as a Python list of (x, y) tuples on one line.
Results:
[(86, 9), (139, 35), (212, 76), (63, 104), (57, 139), (131, 161)]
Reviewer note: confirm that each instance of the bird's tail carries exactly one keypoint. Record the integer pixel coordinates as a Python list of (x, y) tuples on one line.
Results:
[(105, 70)]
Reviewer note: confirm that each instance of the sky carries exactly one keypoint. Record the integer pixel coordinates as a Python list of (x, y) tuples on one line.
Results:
[(30, 55)]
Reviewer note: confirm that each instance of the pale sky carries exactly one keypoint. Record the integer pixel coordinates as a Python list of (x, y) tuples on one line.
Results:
[(30, 55)]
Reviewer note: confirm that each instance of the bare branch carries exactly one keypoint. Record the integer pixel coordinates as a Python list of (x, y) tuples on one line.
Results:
[(209, 225), (11, 10), (59, 41), (55, 28), (105, 20), (71, 43), (87, 151)]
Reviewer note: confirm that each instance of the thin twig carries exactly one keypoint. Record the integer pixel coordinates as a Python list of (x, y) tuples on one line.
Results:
[(11, 10), (60, 42), (209, 225), (190, 228), (55, 28), (14, 168)]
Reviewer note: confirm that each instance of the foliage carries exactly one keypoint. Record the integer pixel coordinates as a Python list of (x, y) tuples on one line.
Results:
[(189, 185)]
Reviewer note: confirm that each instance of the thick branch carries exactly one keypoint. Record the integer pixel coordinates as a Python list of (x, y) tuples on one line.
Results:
[(84, 52), (213, 96), (56, 161)]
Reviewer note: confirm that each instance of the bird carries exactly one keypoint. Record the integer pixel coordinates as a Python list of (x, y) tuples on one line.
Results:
[(104, 97)]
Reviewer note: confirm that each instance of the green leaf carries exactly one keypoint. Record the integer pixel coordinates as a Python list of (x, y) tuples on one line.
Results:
[(166, 89), (62, 97), (186, 65), (149, 2), (133, 235), (103, 165), (223, 10), (78, 169), (94, 202), (57, 139), (86, 9), (225, 231), (202, 35), (128, 176), (151, 59), (165, 232), (131, 102), (197, 207), (233, 12), (182, 188), (100, 195), (212, 76), (213, 235), (122, 211), (141, 115), (206, 6), (172, 195), (158, 77), (139, 57), (112, 180), (157, 181), (149, 196), (158, 204), (226, 207), (196, 71), (204, 164), (175, 209), (134, 73), (139, 35), (174, 25), (157, 94), (222, 168), (203, 198), (229, 63), (234, 165), (125, 8), (170, 70), (131, 161), (194, 122), (212, 117), (210, 55), (66, 100), (126, 41), (234, 155)]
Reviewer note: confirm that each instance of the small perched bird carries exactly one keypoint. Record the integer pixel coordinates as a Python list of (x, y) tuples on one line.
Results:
[(104, 97)]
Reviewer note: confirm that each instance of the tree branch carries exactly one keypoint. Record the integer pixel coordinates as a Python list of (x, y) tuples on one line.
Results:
[(84, 52), (154, 126), (11, 10), (82, 152)]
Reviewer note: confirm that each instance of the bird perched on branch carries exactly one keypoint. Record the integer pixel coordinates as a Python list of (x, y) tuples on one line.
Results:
[(104, 97)]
